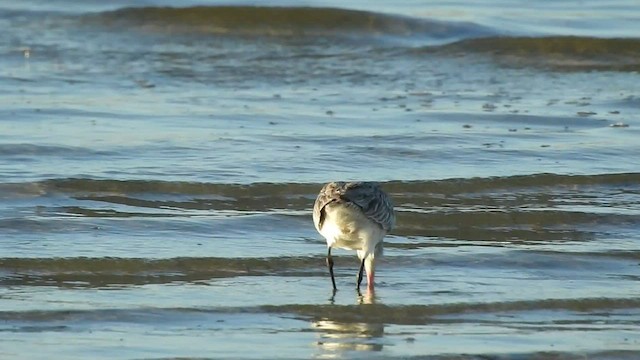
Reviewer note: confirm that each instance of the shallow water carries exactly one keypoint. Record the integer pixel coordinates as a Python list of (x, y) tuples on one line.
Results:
[(158, 168)]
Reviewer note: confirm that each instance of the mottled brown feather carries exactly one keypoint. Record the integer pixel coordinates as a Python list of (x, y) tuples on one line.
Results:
[(374, 203)]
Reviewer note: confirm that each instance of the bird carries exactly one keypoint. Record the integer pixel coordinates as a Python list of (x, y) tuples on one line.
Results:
[(354, 216)]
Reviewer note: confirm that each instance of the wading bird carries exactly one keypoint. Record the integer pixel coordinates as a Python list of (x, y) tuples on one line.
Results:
[(354, 216)]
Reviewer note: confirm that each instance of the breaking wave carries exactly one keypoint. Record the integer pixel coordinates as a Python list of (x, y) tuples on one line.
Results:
[(283, 22)]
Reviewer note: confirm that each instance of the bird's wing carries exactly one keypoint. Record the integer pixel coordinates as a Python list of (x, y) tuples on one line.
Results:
[(375, 203)]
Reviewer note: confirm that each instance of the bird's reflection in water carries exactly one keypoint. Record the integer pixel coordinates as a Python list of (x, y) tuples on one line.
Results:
[(338, 337)]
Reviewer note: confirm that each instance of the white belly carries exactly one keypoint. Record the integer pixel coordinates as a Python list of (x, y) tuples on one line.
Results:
[(347, 228)]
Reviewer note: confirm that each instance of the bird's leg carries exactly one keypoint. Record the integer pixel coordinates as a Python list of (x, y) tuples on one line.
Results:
[(369, 267), (330, 266), (360, 275), (370, 286)]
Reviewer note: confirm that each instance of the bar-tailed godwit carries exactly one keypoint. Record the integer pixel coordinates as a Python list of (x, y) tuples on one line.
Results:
[(354, 216)]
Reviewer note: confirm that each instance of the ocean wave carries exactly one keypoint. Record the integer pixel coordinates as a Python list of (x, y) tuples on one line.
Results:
[(418, 197), (233, 191), (558, 52), (25, 149), (523, 208), (369, 313), (108, 271), (423, 314), (284, 22)]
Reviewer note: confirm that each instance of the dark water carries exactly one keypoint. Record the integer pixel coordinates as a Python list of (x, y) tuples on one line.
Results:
[(158, 167)]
